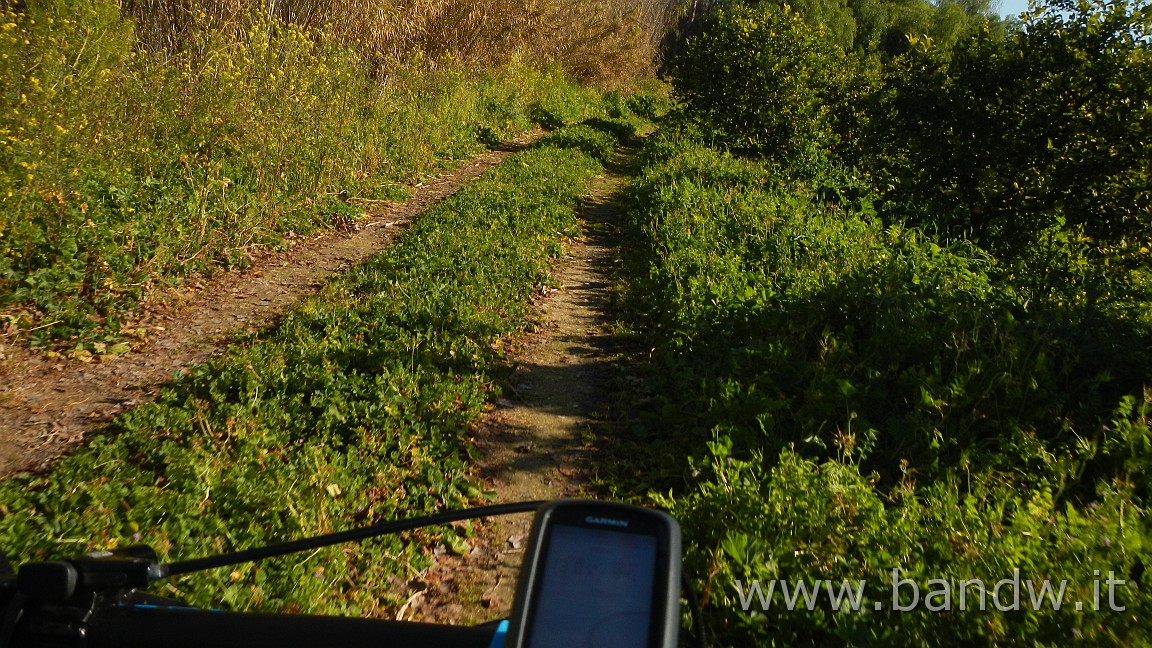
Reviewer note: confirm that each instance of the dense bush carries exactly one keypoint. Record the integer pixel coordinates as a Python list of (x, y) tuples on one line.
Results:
[(1007, 139), (826, 525), (859, 397), (762, 81), (873, 26)]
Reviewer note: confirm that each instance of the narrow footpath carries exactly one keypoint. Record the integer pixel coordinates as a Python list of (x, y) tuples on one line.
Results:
[(537, 443)]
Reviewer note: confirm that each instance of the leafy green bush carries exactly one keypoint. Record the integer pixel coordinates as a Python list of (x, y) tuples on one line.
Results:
[(827, 526), (1006, 139), (763, 81)]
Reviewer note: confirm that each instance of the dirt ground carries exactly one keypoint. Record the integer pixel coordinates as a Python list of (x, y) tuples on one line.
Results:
[(536, 444), (48, 406)]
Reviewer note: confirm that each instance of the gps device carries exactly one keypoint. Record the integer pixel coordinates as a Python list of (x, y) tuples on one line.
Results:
[(598, 574)]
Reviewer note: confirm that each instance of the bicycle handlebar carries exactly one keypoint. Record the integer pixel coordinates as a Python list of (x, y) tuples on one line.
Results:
[(95, 601), (130, 619), (144, 627)]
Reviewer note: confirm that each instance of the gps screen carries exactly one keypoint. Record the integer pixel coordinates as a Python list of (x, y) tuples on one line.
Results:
[(596, 589)]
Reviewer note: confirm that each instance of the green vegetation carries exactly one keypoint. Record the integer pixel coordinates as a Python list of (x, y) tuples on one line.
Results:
[(856, 397), (355, 409), (878, 27), (766, 83), (890, 259), (124, 167), (901, 322), (1015, 139)]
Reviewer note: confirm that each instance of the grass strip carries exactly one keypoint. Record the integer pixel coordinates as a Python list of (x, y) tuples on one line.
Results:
[(354, 410)]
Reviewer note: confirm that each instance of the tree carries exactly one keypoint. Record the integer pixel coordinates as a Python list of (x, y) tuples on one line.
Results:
[(765, 82), (1006, 138)]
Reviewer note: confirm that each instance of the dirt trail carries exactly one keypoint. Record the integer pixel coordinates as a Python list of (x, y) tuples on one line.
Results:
[(535, 444), (48, 406)]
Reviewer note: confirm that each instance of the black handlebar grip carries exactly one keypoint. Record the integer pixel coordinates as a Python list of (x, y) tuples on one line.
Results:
[(51, 582), (145, 626)]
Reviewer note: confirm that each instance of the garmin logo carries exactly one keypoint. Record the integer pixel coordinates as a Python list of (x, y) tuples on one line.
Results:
[(591, 519)]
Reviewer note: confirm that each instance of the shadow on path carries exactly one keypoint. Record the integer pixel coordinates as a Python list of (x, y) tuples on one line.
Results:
[(536, 443)]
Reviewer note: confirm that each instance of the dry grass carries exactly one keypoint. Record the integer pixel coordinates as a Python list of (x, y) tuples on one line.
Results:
[(596, 40)]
